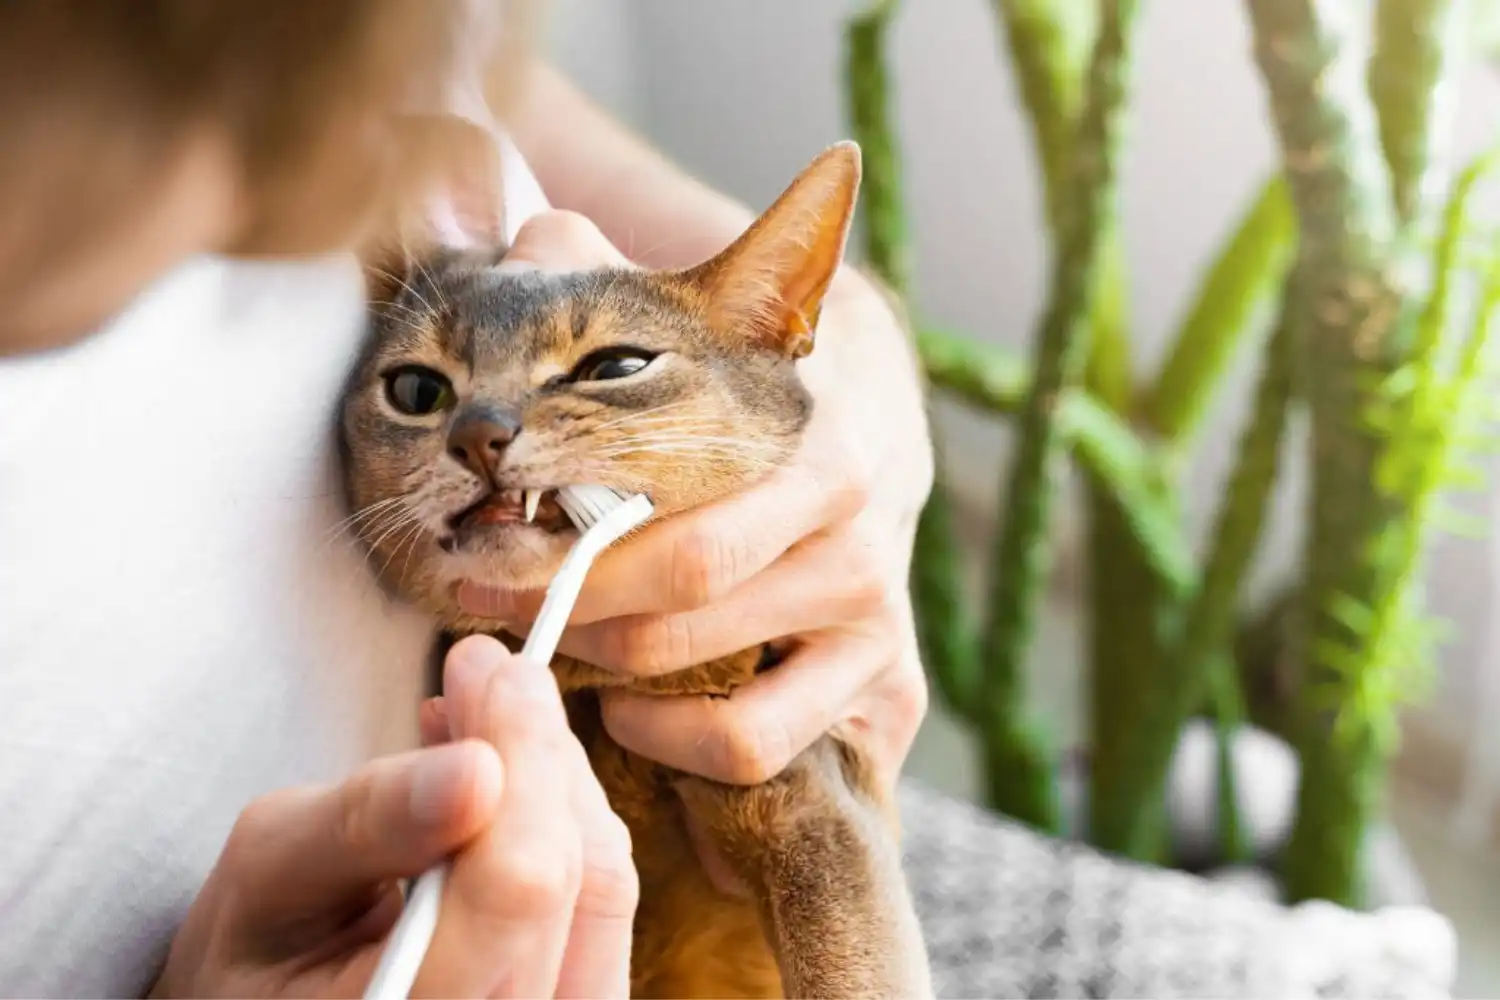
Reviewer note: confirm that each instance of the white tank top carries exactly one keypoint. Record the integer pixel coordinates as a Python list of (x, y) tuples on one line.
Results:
[(181, 627)]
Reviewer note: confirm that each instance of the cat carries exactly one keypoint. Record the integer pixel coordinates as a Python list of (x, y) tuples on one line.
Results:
[(477, 383)]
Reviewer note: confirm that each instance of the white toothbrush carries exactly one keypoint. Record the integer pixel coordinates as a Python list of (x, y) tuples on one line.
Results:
[(602, 516)]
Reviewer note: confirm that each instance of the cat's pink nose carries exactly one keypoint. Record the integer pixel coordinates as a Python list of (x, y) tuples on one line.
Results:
[(479, 436)]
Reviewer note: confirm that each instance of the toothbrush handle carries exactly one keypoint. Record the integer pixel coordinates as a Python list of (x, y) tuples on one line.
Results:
[(410, 938)]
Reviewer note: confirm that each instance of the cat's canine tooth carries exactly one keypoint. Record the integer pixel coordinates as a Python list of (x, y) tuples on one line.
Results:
[(533, 500)]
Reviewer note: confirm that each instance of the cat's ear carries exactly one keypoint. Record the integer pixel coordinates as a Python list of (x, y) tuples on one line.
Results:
[(769, 284), (455, 200)]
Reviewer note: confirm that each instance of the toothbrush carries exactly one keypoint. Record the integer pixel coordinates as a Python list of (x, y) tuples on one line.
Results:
[(602, 515)]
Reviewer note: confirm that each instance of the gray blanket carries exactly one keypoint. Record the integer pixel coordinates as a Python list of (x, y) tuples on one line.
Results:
[(1007, 913)]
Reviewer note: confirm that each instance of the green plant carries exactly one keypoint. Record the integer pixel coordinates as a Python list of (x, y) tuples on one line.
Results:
[(1343, 277)]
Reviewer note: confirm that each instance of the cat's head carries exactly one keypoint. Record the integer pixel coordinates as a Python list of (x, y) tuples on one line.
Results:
[(480, 383)]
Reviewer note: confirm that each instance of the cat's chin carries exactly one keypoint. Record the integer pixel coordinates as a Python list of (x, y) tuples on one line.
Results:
[(507, 557)]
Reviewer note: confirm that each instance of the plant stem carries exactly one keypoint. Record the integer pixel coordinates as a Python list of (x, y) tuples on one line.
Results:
[(1229, 715), (991, 380), (1341, 191), (1417, 51), (1048, 47), (1250, 269), (1132, 611), (868, 100), (1185, 676), (1019, 786)]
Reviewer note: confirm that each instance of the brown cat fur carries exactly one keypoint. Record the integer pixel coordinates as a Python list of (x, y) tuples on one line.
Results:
[(825, 911)]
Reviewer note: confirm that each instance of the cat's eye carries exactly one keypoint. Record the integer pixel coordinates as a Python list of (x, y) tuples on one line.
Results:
[(612, 363), (418, 391)]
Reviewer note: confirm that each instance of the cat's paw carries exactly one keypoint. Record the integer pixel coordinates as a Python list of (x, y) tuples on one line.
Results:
[(735, 826)]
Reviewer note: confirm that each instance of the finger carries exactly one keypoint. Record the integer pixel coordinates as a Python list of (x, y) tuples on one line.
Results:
[(884, 719), (891, 709), (562, 241), (505, 917), (597, 960), (830, 581), (432, 720), (686, 562), (750, 736), (305, 850)]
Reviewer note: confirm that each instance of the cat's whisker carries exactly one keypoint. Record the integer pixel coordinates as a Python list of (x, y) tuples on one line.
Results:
[(686, 447), (401, 533), (385, 309), (369, 510), (406, 285), (354, 538), (386, 518), (628, 417), (412, 324), (687, 454), (432, 283), (408, 516), (742, 444), (407, 541), (703, 431), (666, 425)]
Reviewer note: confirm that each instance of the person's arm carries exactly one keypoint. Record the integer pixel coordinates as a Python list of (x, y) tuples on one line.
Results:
[(589, 163)]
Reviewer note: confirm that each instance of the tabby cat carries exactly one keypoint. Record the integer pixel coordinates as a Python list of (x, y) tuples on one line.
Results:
[(480, 384)]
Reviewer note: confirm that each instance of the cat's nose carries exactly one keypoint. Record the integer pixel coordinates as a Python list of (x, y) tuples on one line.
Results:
[(480, 435)]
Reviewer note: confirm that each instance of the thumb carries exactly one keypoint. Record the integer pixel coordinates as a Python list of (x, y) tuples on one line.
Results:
[(561, 241), (301, 851)]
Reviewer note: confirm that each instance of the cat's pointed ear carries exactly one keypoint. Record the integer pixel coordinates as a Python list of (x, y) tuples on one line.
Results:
[(456, 199), (769, 284)]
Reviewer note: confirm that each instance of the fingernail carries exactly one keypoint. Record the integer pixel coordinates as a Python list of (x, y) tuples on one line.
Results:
[(443, 779), (484, 656)]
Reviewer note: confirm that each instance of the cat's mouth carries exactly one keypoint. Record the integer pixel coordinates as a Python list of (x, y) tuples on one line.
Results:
[(534, 507)]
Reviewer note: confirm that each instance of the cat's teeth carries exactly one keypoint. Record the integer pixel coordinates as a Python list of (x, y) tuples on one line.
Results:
[(533, 500)]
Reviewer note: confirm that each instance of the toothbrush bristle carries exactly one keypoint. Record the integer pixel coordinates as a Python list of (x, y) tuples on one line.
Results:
[(587, 504)]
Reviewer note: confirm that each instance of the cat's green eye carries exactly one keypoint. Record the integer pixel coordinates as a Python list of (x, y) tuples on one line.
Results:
[(612, 363), (418, 391)]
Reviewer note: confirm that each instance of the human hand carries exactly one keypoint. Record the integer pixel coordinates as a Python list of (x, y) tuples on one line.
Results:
[(815, 558), (541, 893)]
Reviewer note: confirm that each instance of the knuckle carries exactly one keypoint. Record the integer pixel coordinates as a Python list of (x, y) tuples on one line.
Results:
[(649, 644), (748, 753), (357, 829), (263, 820), (255, 821), (704, 566), (536, 877), (850, 490), (909, 698), (867, 592), (610, 886)]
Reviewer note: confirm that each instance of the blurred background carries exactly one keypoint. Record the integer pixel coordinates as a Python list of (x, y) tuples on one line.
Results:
[(744, 92)]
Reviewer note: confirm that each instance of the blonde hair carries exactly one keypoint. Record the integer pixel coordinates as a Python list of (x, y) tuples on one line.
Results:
[(99, 95)]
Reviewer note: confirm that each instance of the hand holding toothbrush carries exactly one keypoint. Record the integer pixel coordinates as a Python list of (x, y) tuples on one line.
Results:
[(539, 898), (816, 558)]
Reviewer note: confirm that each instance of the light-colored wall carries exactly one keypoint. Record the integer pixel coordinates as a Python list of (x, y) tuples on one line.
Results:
[(744, 92), (594, 43)]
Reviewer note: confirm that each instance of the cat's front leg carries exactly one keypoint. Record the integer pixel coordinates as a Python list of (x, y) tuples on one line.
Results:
[(819, 852)]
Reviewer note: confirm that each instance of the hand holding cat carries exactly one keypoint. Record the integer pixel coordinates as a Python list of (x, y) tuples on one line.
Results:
[(815, 558), (542, 891)]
